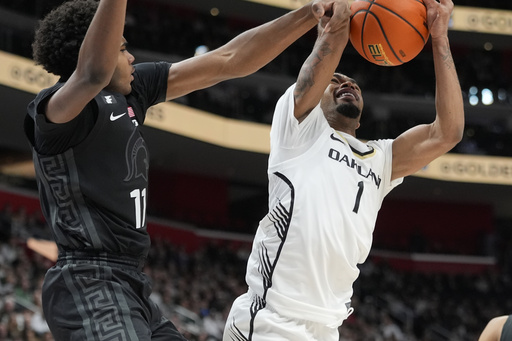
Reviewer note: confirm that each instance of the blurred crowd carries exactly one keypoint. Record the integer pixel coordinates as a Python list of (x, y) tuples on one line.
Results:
[(195, 290)]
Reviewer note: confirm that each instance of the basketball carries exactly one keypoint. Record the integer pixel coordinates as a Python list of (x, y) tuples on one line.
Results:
[(388, 32)]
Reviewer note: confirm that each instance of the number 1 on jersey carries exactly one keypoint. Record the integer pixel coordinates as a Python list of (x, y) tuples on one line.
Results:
[(360, 184), (139, 198)]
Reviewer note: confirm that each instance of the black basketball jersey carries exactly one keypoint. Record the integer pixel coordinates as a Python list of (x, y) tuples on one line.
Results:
[(94, 193)]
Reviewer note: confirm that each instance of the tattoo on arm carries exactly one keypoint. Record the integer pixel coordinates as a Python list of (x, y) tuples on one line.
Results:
[(447, 58), (307, 72)]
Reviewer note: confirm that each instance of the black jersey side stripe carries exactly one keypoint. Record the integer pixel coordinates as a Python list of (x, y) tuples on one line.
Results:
[(49, 200), (60, 184), (89, 227), (281, 218)]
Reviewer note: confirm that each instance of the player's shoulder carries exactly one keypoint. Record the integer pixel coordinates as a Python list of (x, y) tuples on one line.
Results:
[(381, 144), (152, 67), (46, 92)]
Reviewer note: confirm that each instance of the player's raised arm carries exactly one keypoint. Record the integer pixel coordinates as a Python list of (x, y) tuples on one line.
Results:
[(418, 146), (318, 69), (97, 61), (247, 52)]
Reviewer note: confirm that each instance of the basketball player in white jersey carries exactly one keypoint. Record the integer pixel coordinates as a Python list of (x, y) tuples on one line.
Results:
[(326, 188)]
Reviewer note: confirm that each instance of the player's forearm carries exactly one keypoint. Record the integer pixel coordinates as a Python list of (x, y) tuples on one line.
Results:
[(100, 49), (318, 69), (256, 47), (449, 103)]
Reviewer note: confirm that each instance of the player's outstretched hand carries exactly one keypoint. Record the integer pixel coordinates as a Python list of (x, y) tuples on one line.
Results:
[(438, 17), (333, 15)]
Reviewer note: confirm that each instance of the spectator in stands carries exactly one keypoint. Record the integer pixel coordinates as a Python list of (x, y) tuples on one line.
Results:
[(92, 163), (390, 330), (5, 222), (426, 295)]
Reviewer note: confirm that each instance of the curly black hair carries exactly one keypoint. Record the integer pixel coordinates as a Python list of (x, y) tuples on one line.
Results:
[(60, 34)]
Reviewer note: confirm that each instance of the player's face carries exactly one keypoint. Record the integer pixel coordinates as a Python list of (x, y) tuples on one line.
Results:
[(123, 74), (343, 96)]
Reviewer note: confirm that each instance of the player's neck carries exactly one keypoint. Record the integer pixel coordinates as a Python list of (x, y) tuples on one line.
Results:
[(345, 130), (343, 124)]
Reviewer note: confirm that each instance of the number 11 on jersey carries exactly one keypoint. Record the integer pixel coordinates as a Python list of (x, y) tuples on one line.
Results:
[(139, 198)]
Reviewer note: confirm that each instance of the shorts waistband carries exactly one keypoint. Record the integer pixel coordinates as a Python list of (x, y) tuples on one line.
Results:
[(100, 258), (278, 303)]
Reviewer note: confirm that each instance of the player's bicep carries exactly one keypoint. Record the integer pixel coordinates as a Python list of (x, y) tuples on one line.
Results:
[(70, 100), (305, 99), (196, 73), (414, 149)]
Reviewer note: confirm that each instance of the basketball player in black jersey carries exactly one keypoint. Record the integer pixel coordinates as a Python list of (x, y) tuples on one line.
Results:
[(92, 163)]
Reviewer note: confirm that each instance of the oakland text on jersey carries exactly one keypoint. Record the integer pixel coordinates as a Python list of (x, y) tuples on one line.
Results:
[(351, 163)]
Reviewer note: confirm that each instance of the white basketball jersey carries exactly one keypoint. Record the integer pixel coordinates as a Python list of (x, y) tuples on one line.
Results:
[(325, 190)]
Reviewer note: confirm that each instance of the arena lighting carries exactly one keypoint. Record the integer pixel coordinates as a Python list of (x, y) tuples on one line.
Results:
[(487, 97), (214, 12), (473, 98), (201, 49), (502, 95)]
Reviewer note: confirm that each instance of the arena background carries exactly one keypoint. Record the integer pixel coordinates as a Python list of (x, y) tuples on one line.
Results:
[(208, 150)]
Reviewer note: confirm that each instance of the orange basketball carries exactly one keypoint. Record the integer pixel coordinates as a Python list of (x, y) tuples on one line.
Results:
[(388, 32)]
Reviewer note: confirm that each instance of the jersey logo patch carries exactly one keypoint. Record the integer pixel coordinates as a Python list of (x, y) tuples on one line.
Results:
[(131, 113), (336, 139), (109, 99), (115, 117)]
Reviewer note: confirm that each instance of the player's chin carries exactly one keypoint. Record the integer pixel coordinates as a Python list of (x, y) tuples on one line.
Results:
[(127, 89), (349, 109)]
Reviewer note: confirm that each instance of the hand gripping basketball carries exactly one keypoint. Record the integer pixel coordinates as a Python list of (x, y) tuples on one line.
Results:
[(388, 32)]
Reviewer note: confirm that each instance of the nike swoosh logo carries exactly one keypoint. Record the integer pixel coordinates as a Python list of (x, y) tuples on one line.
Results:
[(336, 139), (113, 118)]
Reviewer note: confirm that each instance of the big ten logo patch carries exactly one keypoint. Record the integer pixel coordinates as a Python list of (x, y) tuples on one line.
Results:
[(109, 99)]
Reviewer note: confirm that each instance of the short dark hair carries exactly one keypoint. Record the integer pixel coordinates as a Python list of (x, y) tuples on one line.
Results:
[(60, 34)]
